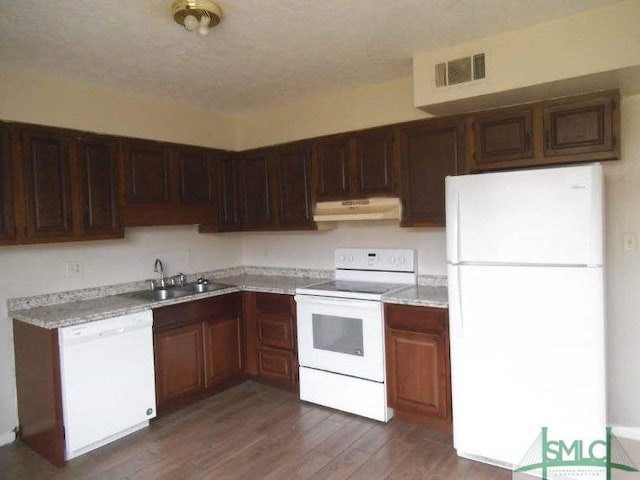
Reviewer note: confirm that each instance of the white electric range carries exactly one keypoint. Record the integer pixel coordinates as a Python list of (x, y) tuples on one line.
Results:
[(341, 330)]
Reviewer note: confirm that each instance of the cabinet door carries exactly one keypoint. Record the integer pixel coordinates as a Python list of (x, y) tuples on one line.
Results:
[(195, 176), (7, 219), (255, 191), (586, 126), (417, 372), (97, 177), (374, 162), (294, 187), (222, 350), (502, 136), (146, 173), (276, 318), (429, 152), (179, 363), (229, 214), (332, 169), (277, 365), (47, 188), (417, 353)]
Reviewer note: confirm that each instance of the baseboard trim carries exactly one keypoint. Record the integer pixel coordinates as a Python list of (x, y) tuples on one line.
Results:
[(7, 438), (632, 433)]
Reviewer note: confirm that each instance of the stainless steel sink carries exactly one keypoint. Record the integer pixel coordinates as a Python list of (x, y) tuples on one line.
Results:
[(177, 292)]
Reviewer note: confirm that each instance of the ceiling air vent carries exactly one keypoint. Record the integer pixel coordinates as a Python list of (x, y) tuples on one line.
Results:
[(461, 70)]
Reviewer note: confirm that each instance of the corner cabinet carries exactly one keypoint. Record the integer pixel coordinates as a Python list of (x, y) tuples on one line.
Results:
[(429, 151), (418, 368), (198, 349), (270, 336)]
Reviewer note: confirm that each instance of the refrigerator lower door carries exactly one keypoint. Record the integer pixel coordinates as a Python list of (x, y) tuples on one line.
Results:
[(527, 351)]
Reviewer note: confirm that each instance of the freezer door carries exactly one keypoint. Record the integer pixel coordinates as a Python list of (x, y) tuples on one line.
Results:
[(527, 351), (546, 216)]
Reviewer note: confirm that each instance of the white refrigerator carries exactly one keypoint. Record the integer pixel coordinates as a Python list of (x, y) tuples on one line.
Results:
[(525, 280)]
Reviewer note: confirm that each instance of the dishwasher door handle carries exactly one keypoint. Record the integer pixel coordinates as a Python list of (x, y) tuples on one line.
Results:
[(115, 331)]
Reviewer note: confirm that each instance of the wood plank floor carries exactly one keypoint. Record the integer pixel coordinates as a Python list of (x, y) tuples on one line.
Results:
[(256, 432)]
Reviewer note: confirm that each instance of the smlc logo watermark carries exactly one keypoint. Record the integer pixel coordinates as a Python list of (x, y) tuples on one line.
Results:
[(574, 459)]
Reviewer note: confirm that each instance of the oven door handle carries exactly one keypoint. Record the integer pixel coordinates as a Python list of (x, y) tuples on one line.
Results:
[(347, 302)]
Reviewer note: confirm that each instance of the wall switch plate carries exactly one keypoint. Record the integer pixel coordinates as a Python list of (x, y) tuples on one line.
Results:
[(74, 269), (630, 241)]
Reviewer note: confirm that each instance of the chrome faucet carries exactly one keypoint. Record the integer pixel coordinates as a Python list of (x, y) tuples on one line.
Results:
[(158, 265)]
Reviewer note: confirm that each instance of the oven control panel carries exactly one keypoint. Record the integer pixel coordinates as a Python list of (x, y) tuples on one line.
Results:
[(383, 259)]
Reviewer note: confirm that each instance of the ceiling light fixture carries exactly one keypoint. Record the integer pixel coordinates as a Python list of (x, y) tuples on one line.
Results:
[(198, 15)]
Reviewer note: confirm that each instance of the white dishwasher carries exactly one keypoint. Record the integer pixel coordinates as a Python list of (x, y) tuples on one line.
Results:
[(108, 381)]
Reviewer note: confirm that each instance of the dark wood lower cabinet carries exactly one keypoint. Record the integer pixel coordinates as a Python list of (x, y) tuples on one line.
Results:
[(222, 349), (418, 368), (270, 338), (39, 394), (198, 349), (179, 366), (277, 365)]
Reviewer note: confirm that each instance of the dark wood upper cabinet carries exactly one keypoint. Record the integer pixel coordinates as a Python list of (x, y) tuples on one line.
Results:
[(332, 159), (374, 167), (582, 128), (195, 177), (7, 217), (146, 172), (502, 136), (256, 199), (294, 186), (98, 184), (587, 126), (430, 151), (47, 186), (229, 212)]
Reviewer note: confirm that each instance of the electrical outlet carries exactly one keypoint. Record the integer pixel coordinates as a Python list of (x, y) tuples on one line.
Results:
[(630, 241), (74, 269)]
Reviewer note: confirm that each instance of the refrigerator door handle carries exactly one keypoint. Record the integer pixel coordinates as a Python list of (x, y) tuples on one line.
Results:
[(455, 301)]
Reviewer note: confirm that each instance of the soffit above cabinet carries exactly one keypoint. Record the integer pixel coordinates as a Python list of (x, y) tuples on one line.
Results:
[(596, 50)]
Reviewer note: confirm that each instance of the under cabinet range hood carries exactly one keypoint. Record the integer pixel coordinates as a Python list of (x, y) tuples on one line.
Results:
[(356, 210)]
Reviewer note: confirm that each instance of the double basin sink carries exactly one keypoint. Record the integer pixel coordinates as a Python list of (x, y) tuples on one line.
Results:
[(185, 290)]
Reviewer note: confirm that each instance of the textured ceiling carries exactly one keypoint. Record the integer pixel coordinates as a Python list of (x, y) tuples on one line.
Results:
[(264, 52)]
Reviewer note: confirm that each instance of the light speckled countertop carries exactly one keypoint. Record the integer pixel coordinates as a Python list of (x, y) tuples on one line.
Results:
[(62, 314), (420, 295)]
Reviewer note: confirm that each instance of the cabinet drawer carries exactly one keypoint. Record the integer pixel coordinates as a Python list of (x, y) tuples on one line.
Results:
[(274, 303), (223, 306), (276, 331), (278, 365), (416, 319)]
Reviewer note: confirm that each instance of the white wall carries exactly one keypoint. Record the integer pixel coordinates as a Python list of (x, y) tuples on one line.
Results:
[(37, 269), (587, 44), (33, 97), (354, 109), (623, 273), (315, 249)]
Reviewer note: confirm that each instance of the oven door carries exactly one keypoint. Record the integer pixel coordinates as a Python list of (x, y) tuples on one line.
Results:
[(341, 335)]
